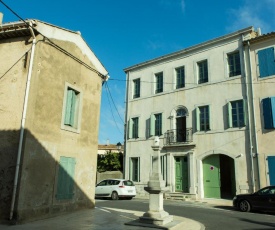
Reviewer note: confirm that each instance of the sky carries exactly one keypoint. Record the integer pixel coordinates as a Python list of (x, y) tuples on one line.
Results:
[(123, 33)]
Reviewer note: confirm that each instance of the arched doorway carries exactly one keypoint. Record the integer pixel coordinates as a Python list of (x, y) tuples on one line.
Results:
[(219, 177)]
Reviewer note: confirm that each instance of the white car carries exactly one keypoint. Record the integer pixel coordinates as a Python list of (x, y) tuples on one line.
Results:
[(115, 189)]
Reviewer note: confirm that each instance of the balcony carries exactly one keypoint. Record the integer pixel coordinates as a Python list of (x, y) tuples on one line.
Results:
[(178, 136)]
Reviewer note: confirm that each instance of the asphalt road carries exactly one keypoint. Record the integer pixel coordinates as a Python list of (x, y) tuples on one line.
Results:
[(212, 217)]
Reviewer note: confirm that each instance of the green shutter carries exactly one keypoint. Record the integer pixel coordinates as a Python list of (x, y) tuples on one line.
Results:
[(229, 114), (73, 105), (130, 128), (152, 125), (198, 127), (245, 111), (209, 117), (65, 183), (161, 125), (68, 110), (138, 169)]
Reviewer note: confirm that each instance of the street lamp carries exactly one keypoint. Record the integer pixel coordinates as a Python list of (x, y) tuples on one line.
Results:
[(118, 146)]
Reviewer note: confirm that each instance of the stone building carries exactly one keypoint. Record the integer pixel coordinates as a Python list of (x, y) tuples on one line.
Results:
[(50, 92), (199, 107)]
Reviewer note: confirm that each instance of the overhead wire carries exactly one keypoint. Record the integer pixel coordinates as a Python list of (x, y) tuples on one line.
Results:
[(112, 110), (55, 45), (186, 83), (113, 102), (71, 56)]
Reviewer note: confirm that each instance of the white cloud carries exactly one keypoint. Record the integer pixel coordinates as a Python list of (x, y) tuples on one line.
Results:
[(182, 4), (253, 13)]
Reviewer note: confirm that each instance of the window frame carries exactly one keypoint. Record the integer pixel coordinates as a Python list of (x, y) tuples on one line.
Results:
[(75, 125), (180, 77), (201, 115), (156, 125), (136, 88), (159, 82), (134, 173), (231, 115), (235, 72), (203, 72), (133, 128)]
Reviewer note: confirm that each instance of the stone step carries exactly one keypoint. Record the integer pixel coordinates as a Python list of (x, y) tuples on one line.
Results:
[(179, 196)]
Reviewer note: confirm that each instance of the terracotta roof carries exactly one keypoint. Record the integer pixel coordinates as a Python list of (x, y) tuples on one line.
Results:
[(261, 38)]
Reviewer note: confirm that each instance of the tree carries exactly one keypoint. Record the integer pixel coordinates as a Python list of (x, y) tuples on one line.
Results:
[(110, 162)]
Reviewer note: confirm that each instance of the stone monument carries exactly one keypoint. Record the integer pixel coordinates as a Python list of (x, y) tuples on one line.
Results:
[(156, 187)]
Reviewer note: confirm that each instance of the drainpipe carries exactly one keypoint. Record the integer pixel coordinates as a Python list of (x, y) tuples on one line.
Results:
[(253, 132), (125, 124), (23, 122), (251, 115)]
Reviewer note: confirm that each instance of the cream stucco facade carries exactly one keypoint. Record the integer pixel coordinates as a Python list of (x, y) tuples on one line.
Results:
[(262, 88), (205, 121), (50, 103)]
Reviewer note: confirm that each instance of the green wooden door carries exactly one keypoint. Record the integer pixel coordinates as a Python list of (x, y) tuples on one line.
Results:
[(181, 166), (211, 177)]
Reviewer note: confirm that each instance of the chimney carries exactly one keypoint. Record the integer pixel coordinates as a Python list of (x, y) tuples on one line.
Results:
[(1, 18)]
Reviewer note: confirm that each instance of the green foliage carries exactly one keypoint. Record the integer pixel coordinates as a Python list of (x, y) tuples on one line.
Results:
[(110, 162)]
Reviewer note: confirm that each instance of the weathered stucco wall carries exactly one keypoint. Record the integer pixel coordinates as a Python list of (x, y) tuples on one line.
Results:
[(45, 140), (13, 75)]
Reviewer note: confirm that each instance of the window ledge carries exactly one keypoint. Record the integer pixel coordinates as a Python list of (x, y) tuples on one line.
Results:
[(70, 129)]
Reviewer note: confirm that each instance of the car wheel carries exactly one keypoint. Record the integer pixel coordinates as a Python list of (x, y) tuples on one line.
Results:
[(244, 206), (114, 196)]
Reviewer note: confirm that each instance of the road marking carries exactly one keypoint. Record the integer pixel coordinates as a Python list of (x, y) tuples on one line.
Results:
[(103, 210)]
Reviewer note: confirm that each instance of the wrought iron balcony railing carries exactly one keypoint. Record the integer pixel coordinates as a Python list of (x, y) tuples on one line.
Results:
[(178, 136)]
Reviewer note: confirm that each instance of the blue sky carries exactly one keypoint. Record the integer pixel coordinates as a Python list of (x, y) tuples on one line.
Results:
[(123, 33)]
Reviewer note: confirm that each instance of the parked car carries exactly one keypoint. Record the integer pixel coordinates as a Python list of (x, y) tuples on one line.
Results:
[(115, 189), (264, 200)]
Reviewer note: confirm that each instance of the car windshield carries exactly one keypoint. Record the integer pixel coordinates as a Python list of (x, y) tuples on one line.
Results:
[(267, 191), (128, 183)]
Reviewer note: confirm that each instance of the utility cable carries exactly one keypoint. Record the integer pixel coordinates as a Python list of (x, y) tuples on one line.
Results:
[(112, 111), (55, 45), (108, 90), (15, 62)]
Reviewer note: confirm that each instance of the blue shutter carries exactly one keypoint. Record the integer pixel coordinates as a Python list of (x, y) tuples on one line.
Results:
[(272, 100), (266, 62), (271, 169), (267, 113)]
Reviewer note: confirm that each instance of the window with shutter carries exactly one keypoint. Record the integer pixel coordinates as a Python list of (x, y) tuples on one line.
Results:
[(65, 181), (236, 113), (268, 105), (202, 72), (266, 60), (71, 109), (203, 118), (159, 83)]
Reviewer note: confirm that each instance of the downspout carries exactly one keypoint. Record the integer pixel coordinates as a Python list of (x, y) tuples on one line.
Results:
[(23, 122), (125, 124), (254, 134), (248, 72)]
